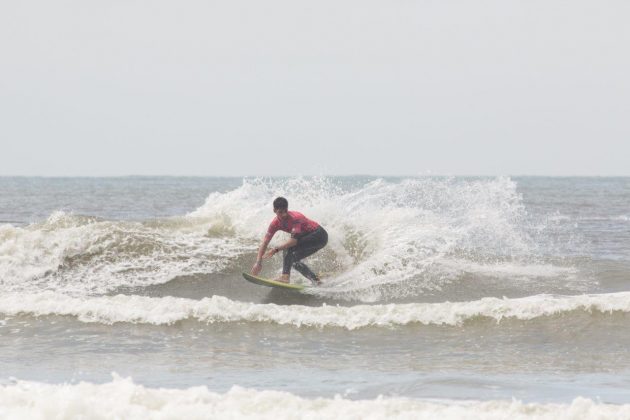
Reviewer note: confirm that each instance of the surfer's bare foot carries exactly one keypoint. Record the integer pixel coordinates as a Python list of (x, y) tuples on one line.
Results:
[(283, 278)]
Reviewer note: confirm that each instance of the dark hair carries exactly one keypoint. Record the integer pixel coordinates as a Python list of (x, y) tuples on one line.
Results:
[(280, 203)]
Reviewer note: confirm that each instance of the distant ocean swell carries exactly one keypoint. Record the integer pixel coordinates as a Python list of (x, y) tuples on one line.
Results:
[(122, 398), (218, 309)]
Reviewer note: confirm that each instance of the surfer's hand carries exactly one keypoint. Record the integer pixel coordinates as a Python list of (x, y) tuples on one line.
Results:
[(256, 268), (270, 253)]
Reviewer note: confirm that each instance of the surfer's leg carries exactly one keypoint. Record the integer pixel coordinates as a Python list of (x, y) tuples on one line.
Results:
[(308, 245), (290, 260), (287, 260), (306, 272)]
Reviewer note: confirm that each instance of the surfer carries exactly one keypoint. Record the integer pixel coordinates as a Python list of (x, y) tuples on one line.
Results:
[(307, 237)]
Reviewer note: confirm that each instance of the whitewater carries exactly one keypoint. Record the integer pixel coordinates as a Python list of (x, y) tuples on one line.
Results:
[(169, 310)]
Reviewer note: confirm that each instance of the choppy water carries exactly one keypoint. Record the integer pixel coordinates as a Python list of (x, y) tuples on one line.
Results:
[(442, 296)]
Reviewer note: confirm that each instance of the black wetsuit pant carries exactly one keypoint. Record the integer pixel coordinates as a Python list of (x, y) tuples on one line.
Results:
[(307, 245)]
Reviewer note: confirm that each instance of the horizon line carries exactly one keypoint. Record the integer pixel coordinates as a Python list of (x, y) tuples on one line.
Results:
[(425, 175)]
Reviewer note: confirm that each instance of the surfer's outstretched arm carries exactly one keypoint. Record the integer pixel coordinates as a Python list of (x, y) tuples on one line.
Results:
[(288, 244), (261, 252), (263, 255)]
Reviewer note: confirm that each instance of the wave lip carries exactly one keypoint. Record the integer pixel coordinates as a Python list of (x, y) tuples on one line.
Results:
[(122, 398), (169, 310)]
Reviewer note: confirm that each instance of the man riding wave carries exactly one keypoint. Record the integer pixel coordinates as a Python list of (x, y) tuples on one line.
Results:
[(307, 237)]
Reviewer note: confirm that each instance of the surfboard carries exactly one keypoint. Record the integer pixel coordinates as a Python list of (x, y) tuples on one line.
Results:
[(272, 283)]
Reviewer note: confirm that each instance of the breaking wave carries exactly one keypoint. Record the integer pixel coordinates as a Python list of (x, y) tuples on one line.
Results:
[(122, 398), (388, 239), (170, 310)]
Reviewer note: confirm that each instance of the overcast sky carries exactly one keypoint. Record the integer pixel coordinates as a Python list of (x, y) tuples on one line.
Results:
[(292, 87)]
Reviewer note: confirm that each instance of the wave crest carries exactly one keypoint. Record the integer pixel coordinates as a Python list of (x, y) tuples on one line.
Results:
[(169, 310), (122, 398)]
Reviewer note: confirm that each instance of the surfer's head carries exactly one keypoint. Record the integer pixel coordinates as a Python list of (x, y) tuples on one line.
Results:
[(281, 207)]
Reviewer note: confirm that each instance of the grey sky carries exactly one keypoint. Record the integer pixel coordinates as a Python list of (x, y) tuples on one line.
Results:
[(288, 87)]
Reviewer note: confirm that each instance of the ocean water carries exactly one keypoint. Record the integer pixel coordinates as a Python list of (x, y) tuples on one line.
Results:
[(452, 297)]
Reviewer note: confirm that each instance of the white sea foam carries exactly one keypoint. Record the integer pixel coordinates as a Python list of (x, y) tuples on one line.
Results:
[(504, 269), (122, 398), (80, 255), (618, 218), (168, 310)]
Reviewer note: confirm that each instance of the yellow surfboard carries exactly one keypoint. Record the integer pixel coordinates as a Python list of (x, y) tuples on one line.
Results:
[(272, 283)]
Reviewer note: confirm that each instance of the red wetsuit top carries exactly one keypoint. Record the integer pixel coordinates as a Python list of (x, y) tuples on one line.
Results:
[(296, 224)]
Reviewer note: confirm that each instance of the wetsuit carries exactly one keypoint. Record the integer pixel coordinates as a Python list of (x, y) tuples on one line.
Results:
[(311, 237)]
